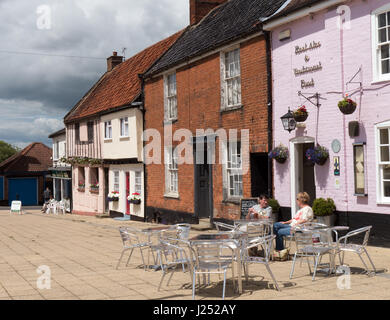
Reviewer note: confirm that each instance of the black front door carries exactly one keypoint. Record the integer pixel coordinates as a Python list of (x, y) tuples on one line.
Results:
[(203, 191)]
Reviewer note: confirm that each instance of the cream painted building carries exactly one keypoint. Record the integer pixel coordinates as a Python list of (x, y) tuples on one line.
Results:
[(122, 148)]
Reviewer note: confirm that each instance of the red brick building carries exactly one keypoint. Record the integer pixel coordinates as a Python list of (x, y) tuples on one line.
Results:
[(216, 76)]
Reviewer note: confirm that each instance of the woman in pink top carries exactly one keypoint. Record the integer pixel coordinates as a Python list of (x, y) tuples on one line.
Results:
[(305, 214)]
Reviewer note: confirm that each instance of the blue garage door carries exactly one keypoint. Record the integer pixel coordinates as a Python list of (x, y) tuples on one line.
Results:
[(24, 190), (1, 188)]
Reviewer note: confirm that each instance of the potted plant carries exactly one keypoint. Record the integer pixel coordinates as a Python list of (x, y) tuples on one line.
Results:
[(274, 204), (94, 188), (81, 186), (301, 114), (324, 210), (317, 155), (280, 154), (347, 106), (135, 198), (113, 196)]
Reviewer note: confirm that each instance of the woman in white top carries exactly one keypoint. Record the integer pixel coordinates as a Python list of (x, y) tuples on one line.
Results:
[(305, 214)]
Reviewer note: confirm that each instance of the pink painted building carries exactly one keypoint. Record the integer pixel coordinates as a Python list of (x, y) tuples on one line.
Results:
[(327, 49)]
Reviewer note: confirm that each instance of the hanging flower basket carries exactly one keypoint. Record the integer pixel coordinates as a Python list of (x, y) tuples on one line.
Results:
[(301, 114), (318, 155), (347, 106), (279, 154)]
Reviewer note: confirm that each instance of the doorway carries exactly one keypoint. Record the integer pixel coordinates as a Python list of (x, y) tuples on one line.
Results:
[(203, 179), (106, 190), (302, 171), (259, 174)]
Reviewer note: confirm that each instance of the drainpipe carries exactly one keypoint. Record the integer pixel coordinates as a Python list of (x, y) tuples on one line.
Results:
[(142, 108), (267, 35)]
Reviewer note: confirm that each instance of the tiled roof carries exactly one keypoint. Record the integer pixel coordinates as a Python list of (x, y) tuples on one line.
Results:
[(121, 86), (226, 23), (57, 133), (291, 6), (36, 157)]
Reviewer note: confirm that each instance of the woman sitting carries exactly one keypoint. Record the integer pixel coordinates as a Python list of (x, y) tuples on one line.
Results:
[(305, 214)]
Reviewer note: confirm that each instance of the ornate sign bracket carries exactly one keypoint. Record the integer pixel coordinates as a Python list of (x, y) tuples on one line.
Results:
[(316, 96)]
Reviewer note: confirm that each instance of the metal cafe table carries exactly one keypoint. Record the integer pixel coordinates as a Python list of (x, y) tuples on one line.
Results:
[(154, 231), (232, 239), (328, 242)]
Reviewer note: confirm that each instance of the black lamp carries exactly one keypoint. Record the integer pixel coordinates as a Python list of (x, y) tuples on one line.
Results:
[(288, 121)]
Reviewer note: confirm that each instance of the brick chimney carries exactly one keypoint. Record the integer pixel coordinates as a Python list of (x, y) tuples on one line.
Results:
[(113, 61), (200, 8)]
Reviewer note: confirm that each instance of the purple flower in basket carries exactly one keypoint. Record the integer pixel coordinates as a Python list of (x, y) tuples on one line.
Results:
[(280, 154), (317, 155)]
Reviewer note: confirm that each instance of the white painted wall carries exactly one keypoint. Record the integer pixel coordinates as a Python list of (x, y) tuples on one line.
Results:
[(119, 147)]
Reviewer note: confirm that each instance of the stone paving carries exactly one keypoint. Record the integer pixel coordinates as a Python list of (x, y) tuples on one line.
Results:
[(82, 253)]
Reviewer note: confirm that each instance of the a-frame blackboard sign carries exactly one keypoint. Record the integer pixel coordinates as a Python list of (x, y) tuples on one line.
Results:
[(246, 204)]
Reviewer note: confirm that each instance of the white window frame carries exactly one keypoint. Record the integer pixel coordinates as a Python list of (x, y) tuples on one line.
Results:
[(56, 153), (124, 124), (376, 61), (138, 182), (116, 180), (170, 114), (232, 168), (225, 80), (108, 126), (381, 199), (171, 173)]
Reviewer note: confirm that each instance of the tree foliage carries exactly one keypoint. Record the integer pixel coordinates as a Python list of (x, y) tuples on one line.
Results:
[(7, 150)]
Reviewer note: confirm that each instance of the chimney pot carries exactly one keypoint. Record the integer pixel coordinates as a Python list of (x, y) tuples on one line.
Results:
[(200, 8), (114, 61)]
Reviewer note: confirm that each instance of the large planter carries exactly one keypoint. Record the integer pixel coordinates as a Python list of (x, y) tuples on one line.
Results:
[(300, 117), (327, 220)]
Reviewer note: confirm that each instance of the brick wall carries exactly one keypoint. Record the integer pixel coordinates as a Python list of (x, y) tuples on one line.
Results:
[(199, 103)]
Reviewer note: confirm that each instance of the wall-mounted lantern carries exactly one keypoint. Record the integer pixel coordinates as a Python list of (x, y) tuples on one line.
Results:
[(289, 123)]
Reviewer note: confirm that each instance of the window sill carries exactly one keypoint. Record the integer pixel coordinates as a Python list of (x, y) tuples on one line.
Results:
[(383, 202), (380, 81), (124, 138), (172, 196), (232, 201), (171, 121), (233, 108), (107, 140)]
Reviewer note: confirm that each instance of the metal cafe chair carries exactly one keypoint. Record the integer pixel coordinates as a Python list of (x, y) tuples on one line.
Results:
[(305, 248), (209, 260), (131, 240), (345, 246), (224, 226), (171, 254), (266, 243), (170, 234)]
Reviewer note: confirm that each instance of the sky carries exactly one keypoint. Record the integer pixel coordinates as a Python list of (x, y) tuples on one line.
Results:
[(38, 86)]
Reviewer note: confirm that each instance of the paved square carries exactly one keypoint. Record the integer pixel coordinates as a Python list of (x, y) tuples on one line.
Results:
[(82, 253)]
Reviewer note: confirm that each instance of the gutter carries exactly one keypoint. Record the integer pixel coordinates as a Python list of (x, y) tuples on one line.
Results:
[(271, 23), (143, 110), (270, 110)]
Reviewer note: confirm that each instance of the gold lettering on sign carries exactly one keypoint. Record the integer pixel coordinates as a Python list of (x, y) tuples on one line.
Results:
[(305, 70), (307, 84), (307, 47)]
